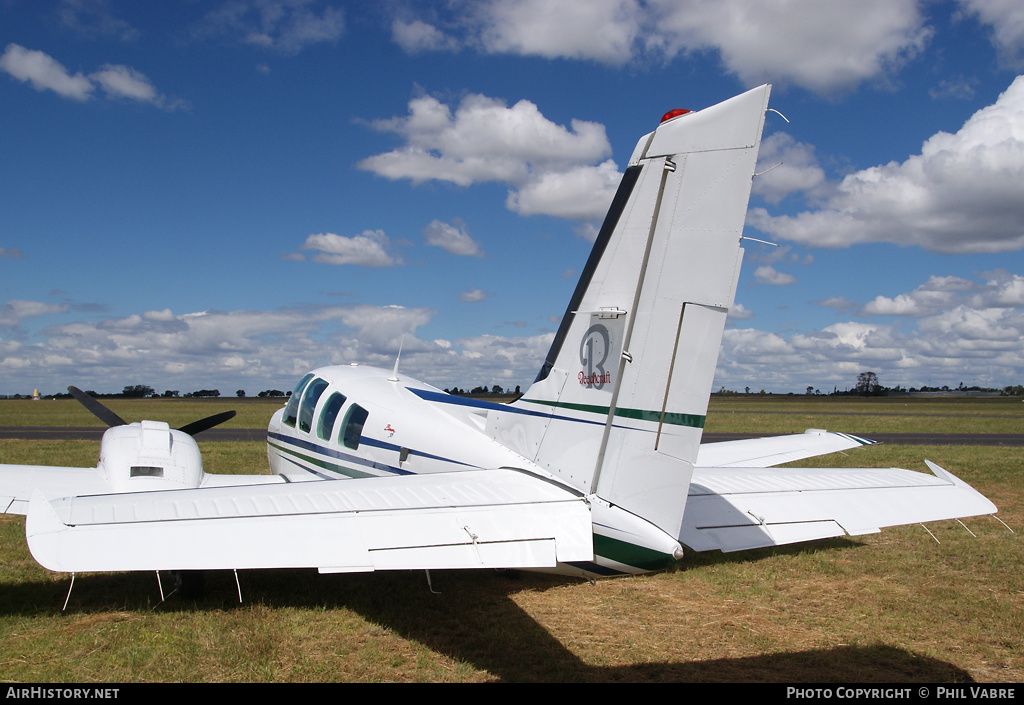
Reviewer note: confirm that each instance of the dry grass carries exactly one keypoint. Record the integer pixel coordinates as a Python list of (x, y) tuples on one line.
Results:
[(889, 607)]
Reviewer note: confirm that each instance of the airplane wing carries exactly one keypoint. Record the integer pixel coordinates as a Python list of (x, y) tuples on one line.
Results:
[(735, 509), (473, 519), (775, 450)]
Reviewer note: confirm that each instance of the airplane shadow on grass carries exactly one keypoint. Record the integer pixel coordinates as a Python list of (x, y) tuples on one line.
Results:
[(475, 620)]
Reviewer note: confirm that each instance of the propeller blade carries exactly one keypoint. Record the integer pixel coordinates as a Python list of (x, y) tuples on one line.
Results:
[(209, 422), (98, 410)]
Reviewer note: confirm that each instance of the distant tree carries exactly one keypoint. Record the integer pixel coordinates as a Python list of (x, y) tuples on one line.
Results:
[(137, 391), (240, 393), (171, 393), (810, 389), (867, 384), (496, 389)]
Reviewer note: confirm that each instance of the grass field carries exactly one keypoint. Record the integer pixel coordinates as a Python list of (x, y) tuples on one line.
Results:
[(890, 607)]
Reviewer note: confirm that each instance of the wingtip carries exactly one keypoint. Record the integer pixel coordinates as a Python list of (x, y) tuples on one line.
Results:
[(954, 480), (42, 532)]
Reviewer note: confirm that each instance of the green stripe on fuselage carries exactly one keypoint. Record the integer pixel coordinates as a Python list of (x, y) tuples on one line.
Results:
[(332, 467), (646, 559), (674, 419)]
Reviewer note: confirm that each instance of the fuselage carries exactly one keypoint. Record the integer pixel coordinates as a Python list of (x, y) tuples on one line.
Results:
[(348, 422)]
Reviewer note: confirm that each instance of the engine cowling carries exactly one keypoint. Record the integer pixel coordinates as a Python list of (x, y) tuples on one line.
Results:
[(147, 456)]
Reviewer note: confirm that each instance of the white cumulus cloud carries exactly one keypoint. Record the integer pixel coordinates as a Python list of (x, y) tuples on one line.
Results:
[(44, 72), (786, 166), (451, 238), (550, 169), (1005, 19), (823, 45), (472, 296), (371, 248), (767, 274), (964, 193), (947, 330)]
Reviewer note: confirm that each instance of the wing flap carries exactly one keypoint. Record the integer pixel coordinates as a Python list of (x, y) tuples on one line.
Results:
[(734, 509), (487, 518)]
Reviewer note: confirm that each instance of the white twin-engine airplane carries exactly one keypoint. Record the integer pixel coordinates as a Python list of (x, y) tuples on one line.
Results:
[(597, 470)]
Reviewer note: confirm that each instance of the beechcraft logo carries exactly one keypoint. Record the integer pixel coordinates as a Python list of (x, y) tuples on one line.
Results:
[(593, 354)]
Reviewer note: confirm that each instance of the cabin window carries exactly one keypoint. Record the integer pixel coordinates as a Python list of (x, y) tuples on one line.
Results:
[(309, 400), (145, 471), (329, 415), (354, 420), (291, 409)]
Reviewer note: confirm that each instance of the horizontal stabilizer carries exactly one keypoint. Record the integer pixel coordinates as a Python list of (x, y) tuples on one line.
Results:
[(734, 509), (487, 518), (775, 450), (17, 482)]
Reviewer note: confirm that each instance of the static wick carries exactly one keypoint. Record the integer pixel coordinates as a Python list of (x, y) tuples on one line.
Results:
[(761, 173), (965, 526), (763, 242), (931, 534), (1003, 523), (430, 583), (64, 608)]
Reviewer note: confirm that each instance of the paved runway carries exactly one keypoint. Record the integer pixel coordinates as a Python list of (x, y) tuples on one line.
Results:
[(56, 433)]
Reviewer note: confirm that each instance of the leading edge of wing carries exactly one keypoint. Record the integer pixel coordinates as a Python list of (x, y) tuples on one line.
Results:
[(734, 509), (775, 450), (486, 518)]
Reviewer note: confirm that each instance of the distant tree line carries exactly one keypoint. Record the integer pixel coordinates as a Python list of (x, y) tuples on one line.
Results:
[(495, 390), (868, 385)]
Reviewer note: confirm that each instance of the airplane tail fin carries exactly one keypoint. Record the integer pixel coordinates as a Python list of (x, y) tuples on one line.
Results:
[(618, 407)]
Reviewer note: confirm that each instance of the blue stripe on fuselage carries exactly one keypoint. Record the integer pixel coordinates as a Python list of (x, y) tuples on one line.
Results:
[(445, 398), (357, 460)]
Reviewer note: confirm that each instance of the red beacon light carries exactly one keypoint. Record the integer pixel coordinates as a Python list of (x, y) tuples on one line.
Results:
[(674, 114)]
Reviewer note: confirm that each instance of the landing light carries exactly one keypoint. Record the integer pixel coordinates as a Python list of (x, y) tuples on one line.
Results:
[(674, 113)]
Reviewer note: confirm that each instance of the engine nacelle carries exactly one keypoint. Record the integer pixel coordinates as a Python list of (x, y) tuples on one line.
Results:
[(149, 455)]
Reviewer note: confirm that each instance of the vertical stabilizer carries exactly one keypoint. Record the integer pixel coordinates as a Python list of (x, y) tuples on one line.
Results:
[(619, 405)]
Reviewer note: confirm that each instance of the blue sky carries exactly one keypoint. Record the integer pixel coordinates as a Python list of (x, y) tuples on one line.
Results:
[(231, 192)]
